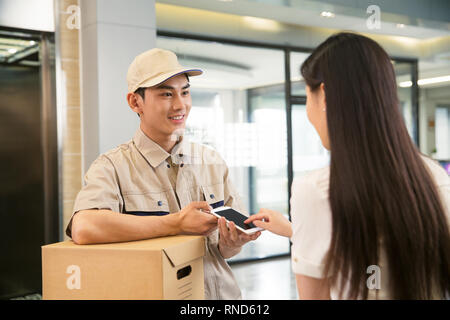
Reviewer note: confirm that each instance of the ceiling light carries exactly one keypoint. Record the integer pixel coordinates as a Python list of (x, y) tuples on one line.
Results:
[(262, 24), (327, 14), (12, 50), (433, 80), (421, 82), (405, 84), (400, 25)]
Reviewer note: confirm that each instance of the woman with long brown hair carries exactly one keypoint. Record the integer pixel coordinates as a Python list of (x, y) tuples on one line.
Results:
[(380, 207)]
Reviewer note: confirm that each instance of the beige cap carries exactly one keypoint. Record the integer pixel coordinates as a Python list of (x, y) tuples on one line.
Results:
[(153, 67)]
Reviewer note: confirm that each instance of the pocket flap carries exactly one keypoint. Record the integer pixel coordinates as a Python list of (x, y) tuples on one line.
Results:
[(144, 204), (214, 194)]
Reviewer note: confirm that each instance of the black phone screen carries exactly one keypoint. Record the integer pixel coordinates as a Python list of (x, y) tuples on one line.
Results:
[(236, 217)]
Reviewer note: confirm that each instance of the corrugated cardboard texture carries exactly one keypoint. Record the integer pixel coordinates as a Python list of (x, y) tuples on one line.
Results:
[(189, 287), (182, 252), (128, 270)]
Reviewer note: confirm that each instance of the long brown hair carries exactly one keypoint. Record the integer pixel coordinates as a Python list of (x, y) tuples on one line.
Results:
[(381, 194)]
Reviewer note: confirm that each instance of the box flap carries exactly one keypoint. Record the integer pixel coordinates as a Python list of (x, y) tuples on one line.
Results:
[(180, 253)]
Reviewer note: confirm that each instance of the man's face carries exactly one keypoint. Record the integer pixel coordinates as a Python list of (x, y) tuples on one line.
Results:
[(166, 106)]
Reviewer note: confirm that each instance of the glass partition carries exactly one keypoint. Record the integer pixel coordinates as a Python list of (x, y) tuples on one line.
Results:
[(307, 149), (269, 177), (404, 75), (442, 131), (298, 86)]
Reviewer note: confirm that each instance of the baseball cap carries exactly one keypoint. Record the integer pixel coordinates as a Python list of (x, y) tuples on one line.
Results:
[(153, 67)]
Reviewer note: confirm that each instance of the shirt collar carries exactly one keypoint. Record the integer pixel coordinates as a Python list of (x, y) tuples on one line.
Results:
[(156, 155)]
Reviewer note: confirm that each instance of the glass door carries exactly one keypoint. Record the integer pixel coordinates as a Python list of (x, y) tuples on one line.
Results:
[(269, 177), (308, 152), (406, 90)]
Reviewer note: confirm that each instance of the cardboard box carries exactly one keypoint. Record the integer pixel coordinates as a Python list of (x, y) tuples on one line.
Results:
[(161, 268)]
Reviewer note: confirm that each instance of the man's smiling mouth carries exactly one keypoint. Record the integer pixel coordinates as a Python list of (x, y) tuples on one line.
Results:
[(177, 117)]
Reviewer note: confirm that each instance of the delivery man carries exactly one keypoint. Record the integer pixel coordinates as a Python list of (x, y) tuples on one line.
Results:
[(160, 184)]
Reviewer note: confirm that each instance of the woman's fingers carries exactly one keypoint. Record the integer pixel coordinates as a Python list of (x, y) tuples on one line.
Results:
[(260, 224), (257, 216)]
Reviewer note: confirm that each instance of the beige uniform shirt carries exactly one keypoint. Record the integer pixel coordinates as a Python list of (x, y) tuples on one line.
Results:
[(141, 178)]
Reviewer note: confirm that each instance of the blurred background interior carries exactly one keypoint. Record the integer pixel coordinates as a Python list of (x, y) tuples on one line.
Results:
[(62, 102)]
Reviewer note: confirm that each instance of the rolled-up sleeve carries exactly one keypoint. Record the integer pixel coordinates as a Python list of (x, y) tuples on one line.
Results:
[(100, 189), (311, 225)]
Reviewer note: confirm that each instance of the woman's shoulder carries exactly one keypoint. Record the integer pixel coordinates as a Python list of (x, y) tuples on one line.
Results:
[(437, 172), (309, 202), (312, 186), (318, 179)]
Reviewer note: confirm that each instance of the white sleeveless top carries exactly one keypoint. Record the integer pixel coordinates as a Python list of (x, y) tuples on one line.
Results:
[(311, 227)]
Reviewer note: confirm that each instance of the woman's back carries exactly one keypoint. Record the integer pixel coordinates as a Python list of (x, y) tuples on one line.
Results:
[(379, 186), (312, 228)]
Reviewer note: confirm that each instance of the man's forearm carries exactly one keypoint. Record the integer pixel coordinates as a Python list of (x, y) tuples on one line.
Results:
[(104, 226)]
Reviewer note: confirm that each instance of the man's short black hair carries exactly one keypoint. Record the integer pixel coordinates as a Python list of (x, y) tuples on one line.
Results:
[(141, 90)]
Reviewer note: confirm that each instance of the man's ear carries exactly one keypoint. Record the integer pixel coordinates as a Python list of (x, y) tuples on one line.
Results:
[(134, 103)]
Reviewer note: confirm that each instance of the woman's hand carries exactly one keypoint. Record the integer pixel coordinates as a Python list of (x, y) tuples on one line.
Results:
[(273, 221)]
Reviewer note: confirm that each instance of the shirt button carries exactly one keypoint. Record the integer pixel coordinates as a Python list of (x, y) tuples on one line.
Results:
[(160, 203), (180, 154), (211, 196), (168, 165), (181, 165)]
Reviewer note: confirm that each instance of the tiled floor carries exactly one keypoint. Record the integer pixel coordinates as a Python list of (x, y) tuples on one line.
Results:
[(268, 279)]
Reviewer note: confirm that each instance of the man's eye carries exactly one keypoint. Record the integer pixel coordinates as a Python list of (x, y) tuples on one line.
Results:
[(167, 94), (185, 93)]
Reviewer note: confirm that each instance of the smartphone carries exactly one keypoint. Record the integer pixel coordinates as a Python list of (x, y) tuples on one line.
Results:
[(238, 218)]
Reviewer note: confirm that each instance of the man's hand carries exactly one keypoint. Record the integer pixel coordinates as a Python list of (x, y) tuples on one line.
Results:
[(231, 239), (192, 220)]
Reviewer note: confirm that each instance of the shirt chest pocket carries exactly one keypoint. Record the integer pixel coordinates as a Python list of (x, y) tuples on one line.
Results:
[(146, 204), (214, 195)]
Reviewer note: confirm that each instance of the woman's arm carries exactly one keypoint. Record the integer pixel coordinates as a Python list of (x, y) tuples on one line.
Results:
[(312, 288), (273, 221), (309, 288)]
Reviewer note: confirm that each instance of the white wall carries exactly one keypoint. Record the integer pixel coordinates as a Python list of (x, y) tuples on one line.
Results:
[(26, 14), (112, 33)]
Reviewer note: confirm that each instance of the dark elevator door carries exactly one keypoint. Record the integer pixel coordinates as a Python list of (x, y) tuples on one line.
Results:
[(21, 181)]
